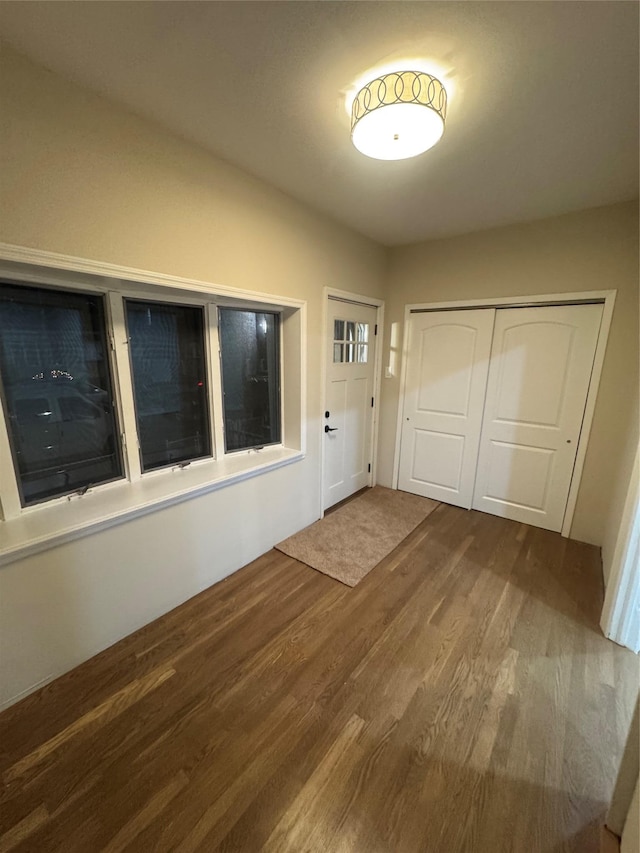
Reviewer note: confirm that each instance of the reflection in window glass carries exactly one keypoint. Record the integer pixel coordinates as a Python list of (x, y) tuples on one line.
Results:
[(338, 354), (362, 353), (338, 330), (351, 331), (166, 345), (363, 332), (349, 353), (250, 350), (56, 385)]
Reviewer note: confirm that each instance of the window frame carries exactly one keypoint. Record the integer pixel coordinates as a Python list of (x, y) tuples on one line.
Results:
[(144, 491), (207, 352), (280, 442), (11, 504)]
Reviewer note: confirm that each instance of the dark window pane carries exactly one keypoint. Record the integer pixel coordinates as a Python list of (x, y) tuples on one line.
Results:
[(169, 382), (77, 409), (57, 390), (249, 342)]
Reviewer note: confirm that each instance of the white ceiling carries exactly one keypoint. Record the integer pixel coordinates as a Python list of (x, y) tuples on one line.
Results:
[(543, 115)]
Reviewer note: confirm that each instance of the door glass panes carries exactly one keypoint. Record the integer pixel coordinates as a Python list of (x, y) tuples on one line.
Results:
[(346, 332), (250, 350), (166, 344), (57, 391)]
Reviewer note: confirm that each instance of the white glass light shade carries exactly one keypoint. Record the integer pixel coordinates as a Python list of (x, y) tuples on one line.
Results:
[(397, 131), (398, 115)]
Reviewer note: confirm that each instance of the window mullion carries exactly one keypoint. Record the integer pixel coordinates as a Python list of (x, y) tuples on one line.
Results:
[(280, 375), (215, 380), (124, 385)]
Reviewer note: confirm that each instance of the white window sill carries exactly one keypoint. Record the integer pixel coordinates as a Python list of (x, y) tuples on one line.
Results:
[(46, 526)]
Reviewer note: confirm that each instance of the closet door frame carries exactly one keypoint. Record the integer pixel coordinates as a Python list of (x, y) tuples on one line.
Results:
[(604, 297)]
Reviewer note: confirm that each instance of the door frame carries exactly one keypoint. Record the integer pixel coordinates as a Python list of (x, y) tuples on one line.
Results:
[(621, 611), (378, 304), (606, 298)]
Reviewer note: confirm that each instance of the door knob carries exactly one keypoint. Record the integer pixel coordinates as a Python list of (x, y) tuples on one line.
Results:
[(330, 429)]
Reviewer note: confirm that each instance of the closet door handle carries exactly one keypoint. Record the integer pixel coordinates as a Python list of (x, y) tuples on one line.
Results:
[(330, 429)]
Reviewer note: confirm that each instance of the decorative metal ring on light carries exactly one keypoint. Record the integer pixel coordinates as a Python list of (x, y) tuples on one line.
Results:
[(398, 115)]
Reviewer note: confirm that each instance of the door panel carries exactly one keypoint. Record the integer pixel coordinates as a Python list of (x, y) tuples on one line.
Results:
[(334, 455), (437, 458), (541, 363), (445, 385), (538, 355), (445, 392), (349, 391), (522, 472)]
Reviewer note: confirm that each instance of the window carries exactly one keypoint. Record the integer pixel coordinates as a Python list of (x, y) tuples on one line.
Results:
[(57, 391), (122, 396), (350, 342), (169, 382), (249, 347)]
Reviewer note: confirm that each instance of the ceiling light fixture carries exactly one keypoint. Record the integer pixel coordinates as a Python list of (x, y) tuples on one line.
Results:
[(398, 115)]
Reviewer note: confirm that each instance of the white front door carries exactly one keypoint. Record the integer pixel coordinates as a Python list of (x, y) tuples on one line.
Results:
[(541, 363), (347, 421), (444, 392)]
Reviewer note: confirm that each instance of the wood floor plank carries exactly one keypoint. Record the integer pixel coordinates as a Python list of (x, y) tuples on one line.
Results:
[(23, 829), (58, 704), (305, 822), (109, 709), (155, 806), (461, 698)]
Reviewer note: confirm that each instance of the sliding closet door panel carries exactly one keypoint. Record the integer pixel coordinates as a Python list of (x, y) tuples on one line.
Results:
[(445, 385), (541, 363)]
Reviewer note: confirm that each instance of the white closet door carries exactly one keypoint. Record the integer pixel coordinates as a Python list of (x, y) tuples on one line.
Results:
[(541, 363), (445, 386)]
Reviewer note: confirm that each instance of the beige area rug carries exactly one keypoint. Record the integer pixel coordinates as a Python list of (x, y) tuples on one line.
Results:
[(348, 543)]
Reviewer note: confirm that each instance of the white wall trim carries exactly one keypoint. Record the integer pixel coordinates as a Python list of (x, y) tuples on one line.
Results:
[(115, 503), (378, 304), (401, 396), (620, 619), (537, 300), (606, 297), (348, 296), (56, 261)]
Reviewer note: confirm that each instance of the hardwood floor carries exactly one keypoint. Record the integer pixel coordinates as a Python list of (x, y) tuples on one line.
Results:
[(461, 698)]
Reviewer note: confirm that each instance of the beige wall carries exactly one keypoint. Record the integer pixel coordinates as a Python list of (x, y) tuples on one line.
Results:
[(630, 841), (592, 250), (82, 177)]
